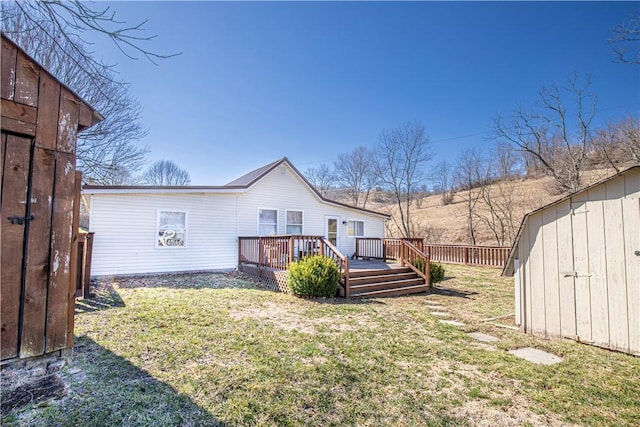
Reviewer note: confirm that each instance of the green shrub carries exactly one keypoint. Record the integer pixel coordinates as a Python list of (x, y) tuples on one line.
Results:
[(314, 276), (436, 271)]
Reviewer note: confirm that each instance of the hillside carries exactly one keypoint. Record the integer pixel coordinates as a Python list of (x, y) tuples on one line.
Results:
[(448, 224)]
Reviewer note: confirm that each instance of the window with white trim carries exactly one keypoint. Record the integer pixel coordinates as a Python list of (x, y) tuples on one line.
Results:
[(267, 222), (171, 229), (294, 222), (355, 228)]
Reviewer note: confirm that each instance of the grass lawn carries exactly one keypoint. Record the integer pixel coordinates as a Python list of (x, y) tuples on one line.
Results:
[(211, 349)]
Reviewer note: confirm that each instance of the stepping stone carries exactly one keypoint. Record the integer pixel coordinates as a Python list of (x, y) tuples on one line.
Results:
[(451, 322), (439, 314), (433, 306), (483, 337), (536, 356)]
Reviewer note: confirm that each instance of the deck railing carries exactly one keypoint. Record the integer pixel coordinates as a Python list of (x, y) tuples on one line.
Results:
[(487, 256), (384, 248), (277, 252)]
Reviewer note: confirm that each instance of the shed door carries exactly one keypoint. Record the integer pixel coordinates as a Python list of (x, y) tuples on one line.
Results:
[(38, 187)]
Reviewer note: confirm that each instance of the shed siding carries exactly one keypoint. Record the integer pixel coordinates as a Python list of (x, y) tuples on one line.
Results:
[(551, 274), (125, 225), (566, 304), (579, 274), (125, 233)]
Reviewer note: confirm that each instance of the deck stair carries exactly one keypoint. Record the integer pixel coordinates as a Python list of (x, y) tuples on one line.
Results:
[(383, 283)]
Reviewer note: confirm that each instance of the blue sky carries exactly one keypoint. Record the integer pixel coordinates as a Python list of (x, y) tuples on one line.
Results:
[(310, 80)]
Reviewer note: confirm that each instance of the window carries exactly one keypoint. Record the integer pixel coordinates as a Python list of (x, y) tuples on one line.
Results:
[(267, 222), (171, 229), (356, 228), (294, 222)]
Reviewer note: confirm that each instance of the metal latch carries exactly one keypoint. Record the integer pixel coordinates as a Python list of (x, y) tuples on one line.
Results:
[(20, 220), (574, 274)]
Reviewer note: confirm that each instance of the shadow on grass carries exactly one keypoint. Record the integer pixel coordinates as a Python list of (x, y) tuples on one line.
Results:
[(106, 389), (438, 290), (103, 298)]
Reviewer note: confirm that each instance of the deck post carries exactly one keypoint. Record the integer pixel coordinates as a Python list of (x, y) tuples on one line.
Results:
[(290, 249), (86, 265), (466, 255), (260, 256), (347, 291)]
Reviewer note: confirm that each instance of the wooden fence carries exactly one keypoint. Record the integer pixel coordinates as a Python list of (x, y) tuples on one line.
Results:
[(487, 256)]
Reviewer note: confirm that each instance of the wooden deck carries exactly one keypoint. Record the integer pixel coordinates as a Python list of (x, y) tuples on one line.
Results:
[(268, 258)]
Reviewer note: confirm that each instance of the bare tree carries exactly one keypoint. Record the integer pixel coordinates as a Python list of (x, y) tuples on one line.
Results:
[(626, 40), (321, 178), (355, 172), (443, 179), (618, 144), (554, 135), (401, 157), (166, 172), (506, 162), (51, 31), (470, 177)]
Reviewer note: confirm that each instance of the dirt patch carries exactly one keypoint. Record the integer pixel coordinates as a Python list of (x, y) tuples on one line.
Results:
[(284, 317), (180, 281), (37, 391)]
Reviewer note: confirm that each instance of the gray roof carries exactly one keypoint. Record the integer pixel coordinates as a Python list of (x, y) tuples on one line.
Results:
[(249, 178)]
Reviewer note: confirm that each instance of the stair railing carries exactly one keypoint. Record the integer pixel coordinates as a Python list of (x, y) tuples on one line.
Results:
[(330, 251), (415, 259)]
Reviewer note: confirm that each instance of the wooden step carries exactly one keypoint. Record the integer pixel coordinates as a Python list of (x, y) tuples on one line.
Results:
[(393, 292), (380, 286), (366, 273), (354, 281)]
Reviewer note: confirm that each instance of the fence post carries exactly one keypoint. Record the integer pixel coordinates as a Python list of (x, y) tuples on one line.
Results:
[(260, 256), (86, 269), (466, 255)]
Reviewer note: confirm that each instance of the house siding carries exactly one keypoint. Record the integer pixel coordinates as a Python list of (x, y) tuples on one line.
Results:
[(125, 232), (125, 225)]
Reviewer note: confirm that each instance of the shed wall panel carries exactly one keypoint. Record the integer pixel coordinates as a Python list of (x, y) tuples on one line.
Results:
[(632, 184), (565, 266), (581, 267), (536, 280), (616, 277), (631, 224), (525, 251), (598, 266), (551, 285)]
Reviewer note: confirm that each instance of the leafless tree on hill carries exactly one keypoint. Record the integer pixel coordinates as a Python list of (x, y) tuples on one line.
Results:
[(401, 157), (443, 179), (626, 40), (355, 172), (321, 178), (470, 177), (618, 144), (166, 172), (556, 134)]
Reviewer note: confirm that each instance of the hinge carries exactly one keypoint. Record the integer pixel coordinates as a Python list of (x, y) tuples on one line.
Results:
[(574, 212)]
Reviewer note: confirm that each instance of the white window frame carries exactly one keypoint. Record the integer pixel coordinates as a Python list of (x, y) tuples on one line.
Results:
[(349, 221), (186, 228), (258, 220), (286, 222)]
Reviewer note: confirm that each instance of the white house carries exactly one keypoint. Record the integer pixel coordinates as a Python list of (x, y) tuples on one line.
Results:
[(576, 264), (146, 229)]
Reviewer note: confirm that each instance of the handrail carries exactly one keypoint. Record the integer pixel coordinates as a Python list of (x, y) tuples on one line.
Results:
[(416, 259), (343, 265)]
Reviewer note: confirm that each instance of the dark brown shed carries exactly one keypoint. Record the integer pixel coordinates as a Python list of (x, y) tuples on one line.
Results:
[(41, 119)]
